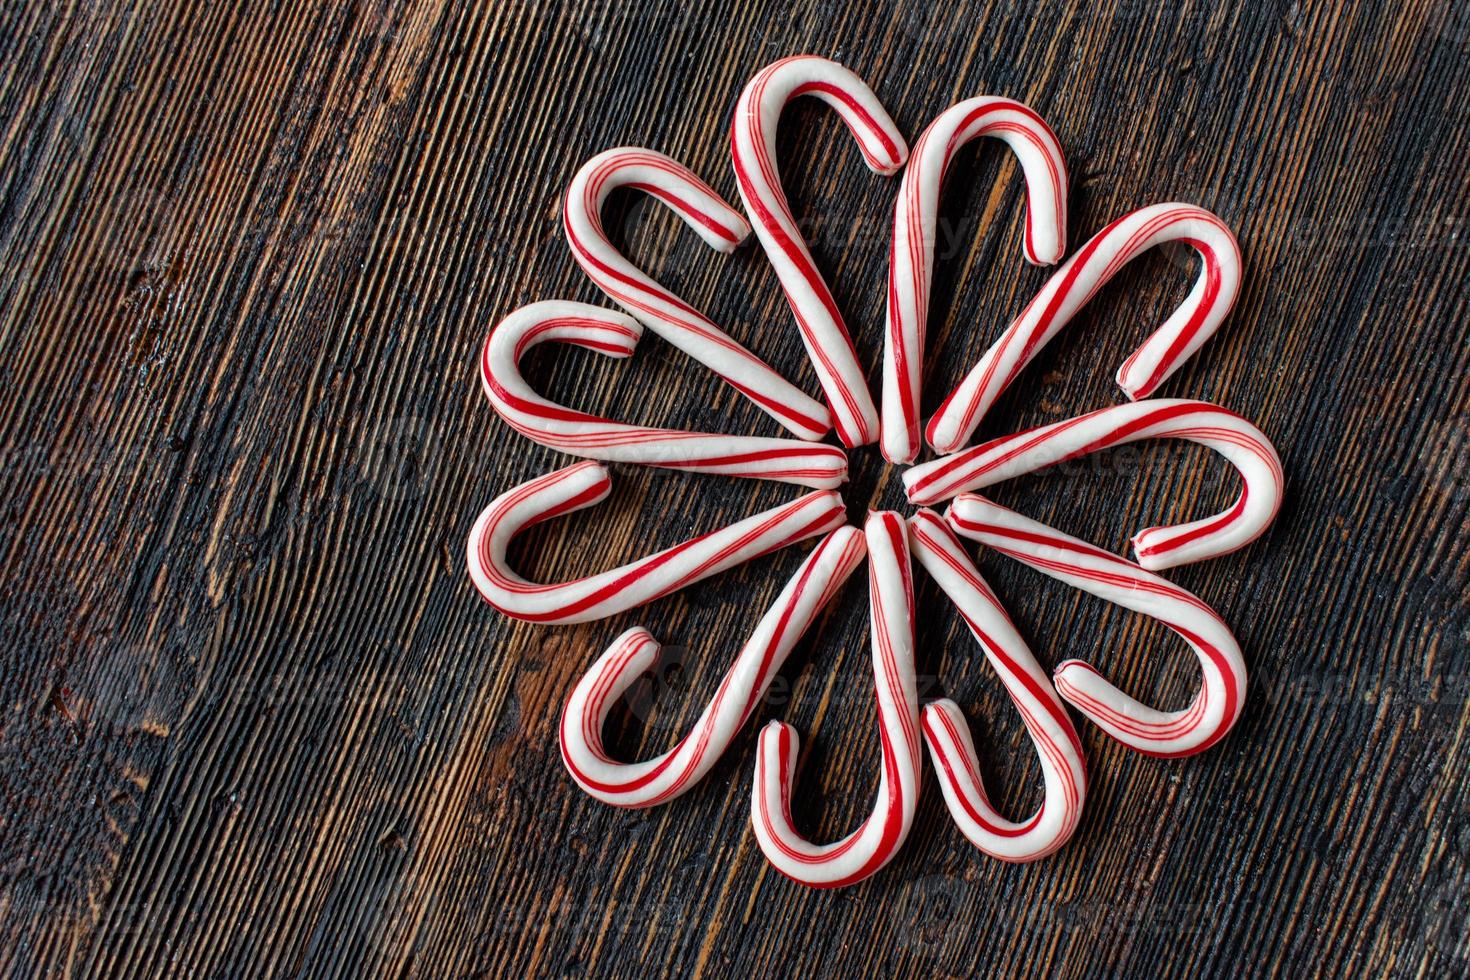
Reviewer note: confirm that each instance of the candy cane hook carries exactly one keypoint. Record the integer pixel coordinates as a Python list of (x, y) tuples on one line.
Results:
[(753, 147), (614, 334), (871, 846), (947, 733), (678, 770), (665, 314), (1076, 282), (1117, 580), (1240, 442), (915, 218), (599, 596)]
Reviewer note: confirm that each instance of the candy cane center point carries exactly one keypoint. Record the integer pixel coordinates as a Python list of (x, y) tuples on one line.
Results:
[(873, 483)]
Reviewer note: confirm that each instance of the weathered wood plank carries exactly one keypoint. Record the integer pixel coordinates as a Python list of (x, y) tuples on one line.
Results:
[(256, 720)]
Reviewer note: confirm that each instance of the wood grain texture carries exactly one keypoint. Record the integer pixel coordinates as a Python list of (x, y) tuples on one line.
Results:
[(256, 720)]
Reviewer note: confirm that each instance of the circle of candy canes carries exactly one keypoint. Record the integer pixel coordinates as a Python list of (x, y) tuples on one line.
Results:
[(947, 733), (886, 538), (872, 845), (616, 335), (753, 148), (673, 184), (1119, 581), (678, 770), (599, 596), (915, 218), (1076, 282), (1240, 442)]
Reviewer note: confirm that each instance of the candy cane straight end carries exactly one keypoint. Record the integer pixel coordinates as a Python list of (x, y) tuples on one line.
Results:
[(898, 451), (943, 434), (1167, 734), (1123, 382), (867, 849)]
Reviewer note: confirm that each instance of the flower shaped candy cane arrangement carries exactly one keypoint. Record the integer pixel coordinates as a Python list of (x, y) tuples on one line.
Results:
[(890, 543)]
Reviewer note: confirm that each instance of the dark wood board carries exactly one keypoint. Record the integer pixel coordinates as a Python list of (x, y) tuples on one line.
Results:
[(258, 723)]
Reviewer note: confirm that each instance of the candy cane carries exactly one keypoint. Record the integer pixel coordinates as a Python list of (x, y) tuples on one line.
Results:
[(664, 313), (871, 846), (1119, 581), (915, 217), (1076, 282), (1240, 442), (753, 147), (678, 770), (613, 334), (611, 592), (1058, 749)]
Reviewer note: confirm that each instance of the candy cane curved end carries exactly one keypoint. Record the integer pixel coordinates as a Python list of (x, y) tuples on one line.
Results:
[(615, 335), (1216, 706), (872, 845), (676, 771), (1088, 269), (599, 596), (947, 733), (915, 219), (753, 150), (675, 186), (1242, 444)]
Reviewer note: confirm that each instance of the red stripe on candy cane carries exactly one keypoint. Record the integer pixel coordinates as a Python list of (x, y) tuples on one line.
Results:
[(1240, 442), (915, 219), (599, 596), (956, 763), (660, 779), (753, 149), (582, 434), (661, 311), (871, 846), (1076, 282), (1160, 733)]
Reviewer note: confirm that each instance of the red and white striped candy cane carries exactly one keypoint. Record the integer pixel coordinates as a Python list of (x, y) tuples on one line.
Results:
[(915, 218), (665, 314), (615, 334), (753, 147), (947, 733), (1076, 282), (1240, 442), (871, 846), (620, 589), (1117, 580), (675, 772)]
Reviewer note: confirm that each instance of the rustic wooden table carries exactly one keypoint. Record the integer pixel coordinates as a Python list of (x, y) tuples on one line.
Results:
[(257, 721)]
